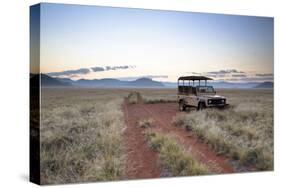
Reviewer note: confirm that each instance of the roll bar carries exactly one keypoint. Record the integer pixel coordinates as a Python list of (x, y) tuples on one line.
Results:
[(193, 78)]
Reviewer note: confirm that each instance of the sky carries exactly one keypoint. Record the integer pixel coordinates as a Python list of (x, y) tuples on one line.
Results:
[(91, 42)]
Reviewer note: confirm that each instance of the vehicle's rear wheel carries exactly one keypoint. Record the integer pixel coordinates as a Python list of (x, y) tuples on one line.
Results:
[(201, 106), (182, 106)]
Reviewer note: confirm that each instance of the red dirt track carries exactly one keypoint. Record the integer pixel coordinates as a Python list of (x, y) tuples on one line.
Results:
[(142, 161)]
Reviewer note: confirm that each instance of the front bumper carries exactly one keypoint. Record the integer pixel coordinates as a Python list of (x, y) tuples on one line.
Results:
[(217, 105), (216, 102)]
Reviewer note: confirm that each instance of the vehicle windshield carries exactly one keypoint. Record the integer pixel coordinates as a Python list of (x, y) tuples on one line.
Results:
[(205, 89)]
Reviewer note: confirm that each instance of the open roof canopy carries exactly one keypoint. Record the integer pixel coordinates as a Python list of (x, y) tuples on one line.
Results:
[(194, 78)]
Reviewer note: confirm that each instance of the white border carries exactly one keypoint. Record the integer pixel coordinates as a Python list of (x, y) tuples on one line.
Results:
[(14, 41)]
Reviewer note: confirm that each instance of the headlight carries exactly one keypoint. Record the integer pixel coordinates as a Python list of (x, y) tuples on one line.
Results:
[(209, 101), (222, 100)]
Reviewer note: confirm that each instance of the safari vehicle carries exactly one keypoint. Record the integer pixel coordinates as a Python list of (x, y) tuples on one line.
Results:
[(199, 96)]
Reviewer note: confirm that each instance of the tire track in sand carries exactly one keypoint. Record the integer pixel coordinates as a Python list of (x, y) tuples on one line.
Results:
[(163, 115), (141, 161)]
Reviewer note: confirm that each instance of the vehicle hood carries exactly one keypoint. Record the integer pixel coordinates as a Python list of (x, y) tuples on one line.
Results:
[(214, 96)]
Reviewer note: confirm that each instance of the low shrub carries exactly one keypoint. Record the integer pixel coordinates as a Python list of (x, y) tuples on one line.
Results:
[(146, 123)]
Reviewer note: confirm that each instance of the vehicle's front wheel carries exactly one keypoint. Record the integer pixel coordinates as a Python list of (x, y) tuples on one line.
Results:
[(201, 106), (182, 106)]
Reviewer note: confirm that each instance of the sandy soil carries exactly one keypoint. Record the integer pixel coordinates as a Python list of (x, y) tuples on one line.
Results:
[(141, 161)]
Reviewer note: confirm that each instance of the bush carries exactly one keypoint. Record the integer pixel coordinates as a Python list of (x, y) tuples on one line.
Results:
[(155, 101), (146, 123)]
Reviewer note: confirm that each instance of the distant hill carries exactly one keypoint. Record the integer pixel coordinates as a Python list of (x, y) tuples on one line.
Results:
[(47, 81), (145, 82), (50, 81), (106, 82), (65, 80), (265, 85), (113, 83), (110, 82)]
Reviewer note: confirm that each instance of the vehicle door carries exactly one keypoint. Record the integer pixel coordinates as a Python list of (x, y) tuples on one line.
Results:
[(192, 98)]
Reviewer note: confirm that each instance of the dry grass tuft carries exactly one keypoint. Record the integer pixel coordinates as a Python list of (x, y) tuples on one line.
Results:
[(173, 157), (146, 123), (155, 101), (134, 97)]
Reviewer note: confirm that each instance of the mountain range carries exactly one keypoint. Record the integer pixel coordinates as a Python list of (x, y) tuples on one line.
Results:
[(48, 81)]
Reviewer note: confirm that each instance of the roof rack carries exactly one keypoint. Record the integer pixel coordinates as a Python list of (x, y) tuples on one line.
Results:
[(194, 78)]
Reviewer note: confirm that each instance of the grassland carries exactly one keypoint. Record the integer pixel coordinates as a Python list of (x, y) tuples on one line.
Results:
[(81, 136), (81, 132)]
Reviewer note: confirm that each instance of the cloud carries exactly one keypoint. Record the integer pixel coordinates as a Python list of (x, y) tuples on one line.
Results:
[(247, 79), (219, 73), (117, 67), (83, 71), (264, 75), (97, 69), (214, 75), (108, 68), (229, 71), (239, 75), (70, 72), (226, 74), (234, 75)]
